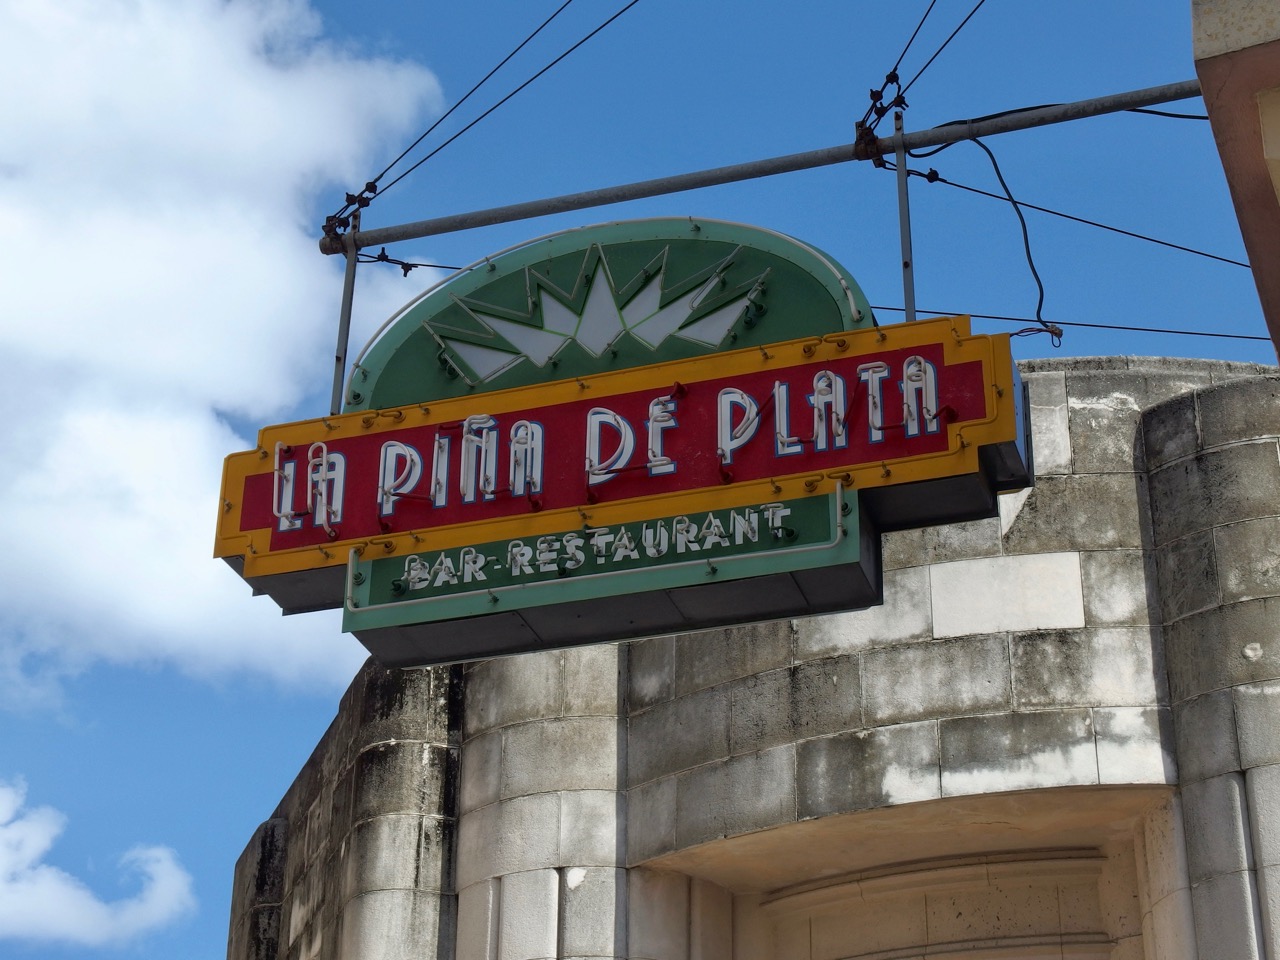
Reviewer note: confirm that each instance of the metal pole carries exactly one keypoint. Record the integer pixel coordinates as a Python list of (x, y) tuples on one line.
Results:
[(344, 316), (904, 220), (862, 150)]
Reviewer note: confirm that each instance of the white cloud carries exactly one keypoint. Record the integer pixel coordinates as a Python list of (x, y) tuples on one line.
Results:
[(40, 902), (157, 182)]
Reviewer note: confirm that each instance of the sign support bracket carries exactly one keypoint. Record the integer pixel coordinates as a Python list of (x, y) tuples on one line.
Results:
[(904, 220), (352, 252)]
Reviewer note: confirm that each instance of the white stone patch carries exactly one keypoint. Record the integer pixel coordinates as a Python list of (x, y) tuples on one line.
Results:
[(1129, 751), (1000, 594), (1010, 505), (905, 784), (1051, 436), (1053, 767), (904, 615), (1116, 401), (574, 876)]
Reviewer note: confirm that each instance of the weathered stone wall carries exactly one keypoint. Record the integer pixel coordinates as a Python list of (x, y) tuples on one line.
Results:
[(1214, 461), (357, 860), (1057, 737)]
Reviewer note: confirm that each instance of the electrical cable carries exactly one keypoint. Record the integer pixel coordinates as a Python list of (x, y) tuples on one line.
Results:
[(932, 176), (482, 116), (892, 76), (1166, 113), (383, 257), (1095, 326), (1026, 241), (921, 71), (372, 186)]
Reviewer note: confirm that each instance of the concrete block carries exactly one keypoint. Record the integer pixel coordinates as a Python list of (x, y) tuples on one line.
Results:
[(705, 659), (591, 680), (390, 924), (651, 820), (710, 922), (1116, 588), (1079, 909), (478, 910), (1226, 918), (397, 853), (1269, 909), (480, 781), (528, 919), (1164, 842), (1187, 575), (512, 690), (650, 672), (404, 777), (1007, 593), (1104, 417), (589, 834), (576, 753), (888, 926), (257, 935), (678, 734), (905, 615), (1103, 666), (1240, 410), (593, 912), (1257, 715), (1206, 736), (657, 915), (508, 837), (703, 804), (1050, 423), (867, 769), (922, 681), (753, 937), (826, 696), (1262, 790), (760, 712), (1213, 488), (993, 912), (794, 938), (1248, 559), (1049, 521), (941, 544), (395, 704), (1217, 827), (260, 869), (762, 790), (1017, 751), (1223, 648), (1173, 928), (1117, 894), (1135, 745), (1169, 431)]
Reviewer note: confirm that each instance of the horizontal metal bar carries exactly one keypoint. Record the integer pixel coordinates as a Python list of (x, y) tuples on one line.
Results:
[(863, 150)]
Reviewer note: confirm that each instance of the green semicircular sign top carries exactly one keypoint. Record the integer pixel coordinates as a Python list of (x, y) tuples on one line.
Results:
[(602, 298)]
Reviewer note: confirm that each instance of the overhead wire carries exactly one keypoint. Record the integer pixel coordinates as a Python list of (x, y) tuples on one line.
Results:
[(1095, 326), (332, 223), (504, 100), (932, 176), (954, 32), (371, 187), (892, 76)]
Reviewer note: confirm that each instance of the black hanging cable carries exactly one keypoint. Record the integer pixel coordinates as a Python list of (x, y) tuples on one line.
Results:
[(932, 176), (1094, 326), (1166, 113), (372, 186), (383, 257), (482, 116), (1056, 333)]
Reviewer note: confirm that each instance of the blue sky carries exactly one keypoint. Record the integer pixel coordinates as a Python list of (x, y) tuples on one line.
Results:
[(167, 169)]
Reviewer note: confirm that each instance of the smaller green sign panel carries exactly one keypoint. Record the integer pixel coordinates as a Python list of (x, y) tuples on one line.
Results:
[(656, 558)]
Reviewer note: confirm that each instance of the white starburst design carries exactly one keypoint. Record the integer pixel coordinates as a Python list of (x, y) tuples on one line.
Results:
[(600, 324)]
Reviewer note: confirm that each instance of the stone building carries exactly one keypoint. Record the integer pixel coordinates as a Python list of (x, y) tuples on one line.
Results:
[(1058, 737)]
